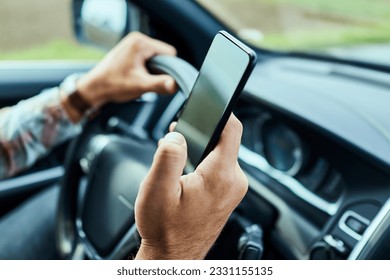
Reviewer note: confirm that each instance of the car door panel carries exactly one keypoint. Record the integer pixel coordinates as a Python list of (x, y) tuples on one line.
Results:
[(21, 80)]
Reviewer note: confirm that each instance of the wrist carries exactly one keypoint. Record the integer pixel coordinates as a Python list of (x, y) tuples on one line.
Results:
[(91, 91), (77, 102), (147, 252)]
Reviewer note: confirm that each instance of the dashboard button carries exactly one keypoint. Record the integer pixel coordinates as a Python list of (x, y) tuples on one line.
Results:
[(353, 224), (356, 225)]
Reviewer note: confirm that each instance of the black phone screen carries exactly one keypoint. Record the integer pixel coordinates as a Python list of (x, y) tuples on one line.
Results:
[(217, 83)]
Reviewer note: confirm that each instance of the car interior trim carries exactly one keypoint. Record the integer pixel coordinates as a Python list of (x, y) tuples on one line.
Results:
[(381, 221), (297, 232), (21, 80), (293, 185), (343, 225), (149, 103), (30, 181)]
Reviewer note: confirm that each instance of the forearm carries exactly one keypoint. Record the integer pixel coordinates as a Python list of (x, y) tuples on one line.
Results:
[(30, 129)]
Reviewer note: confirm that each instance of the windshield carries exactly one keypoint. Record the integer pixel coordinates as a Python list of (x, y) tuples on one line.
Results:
[(348, 29)]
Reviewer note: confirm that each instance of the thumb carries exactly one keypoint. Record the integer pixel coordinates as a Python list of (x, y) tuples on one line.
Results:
[(164, 84), (168, 163)]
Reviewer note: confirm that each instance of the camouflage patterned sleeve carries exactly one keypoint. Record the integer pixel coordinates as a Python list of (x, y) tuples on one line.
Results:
[(30, 129)]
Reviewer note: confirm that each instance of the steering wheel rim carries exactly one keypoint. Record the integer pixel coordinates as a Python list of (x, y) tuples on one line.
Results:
[(72, 242)]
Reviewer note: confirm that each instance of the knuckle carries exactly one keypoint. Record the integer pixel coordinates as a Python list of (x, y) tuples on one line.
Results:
[(138, 82), (135, 35), (137, 46), (136, 40)]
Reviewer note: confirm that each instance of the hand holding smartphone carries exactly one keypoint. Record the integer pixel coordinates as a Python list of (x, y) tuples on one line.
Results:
[(221, 79)]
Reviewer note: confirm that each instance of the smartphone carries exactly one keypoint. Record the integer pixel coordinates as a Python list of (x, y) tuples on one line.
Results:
[(221, 79)]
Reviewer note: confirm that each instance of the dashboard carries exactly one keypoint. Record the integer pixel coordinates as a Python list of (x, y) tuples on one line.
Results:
[(308, 149)]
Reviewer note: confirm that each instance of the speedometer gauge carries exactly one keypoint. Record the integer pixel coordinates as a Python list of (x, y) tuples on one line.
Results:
[(282, 147)]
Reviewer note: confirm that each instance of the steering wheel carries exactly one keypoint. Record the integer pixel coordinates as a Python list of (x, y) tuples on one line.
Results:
[(103, 173)]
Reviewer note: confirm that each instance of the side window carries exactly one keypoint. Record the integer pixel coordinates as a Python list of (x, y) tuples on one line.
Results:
[(40, 30)]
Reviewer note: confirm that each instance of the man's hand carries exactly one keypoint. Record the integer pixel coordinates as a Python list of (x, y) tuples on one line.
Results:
[(180, 217), (122, 75)]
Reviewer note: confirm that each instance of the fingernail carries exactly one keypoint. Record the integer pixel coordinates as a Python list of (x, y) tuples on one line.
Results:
[(174, 137)]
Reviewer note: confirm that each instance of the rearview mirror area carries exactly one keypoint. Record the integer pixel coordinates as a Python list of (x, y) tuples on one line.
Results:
[(103, 23)]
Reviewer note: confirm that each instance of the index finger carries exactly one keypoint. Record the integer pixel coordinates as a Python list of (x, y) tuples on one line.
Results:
[(161, 47)]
